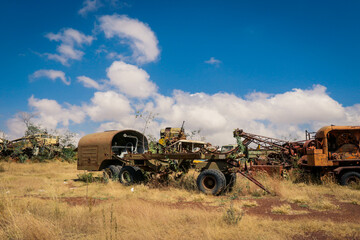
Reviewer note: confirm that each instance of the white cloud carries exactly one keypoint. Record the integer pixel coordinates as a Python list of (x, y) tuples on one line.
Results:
[(70, 36), (282, 115), (108, 106), (51, 113), (69, 39), (353, 114), (89, 6), (124, 78), (16, 128), (52, 74), (278, 115), (213, 60), (305, 106), (89, 83), (139, 36), (130, 80)]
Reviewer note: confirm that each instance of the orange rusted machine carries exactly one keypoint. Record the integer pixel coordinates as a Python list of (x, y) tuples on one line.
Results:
[(334, 150)]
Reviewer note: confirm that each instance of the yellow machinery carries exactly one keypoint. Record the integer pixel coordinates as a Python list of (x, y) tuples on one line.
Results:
[(170, 135)]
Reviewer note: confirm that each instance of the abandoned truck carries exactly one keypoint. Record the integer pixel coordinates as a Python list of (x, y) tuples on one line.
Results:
[(125, 154), (335, 150)]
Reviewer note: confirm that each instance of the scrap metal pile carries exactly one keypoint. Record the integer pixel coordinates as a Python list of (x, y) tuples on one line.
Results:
[(125, 153), (131, 159), (32, 145)]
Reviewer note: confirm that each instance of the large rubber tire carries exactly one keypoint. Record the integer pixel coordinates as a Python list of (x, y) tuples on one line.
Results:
[(139, 176), (211, 181), (230, 181), (129, 175), (349, 178), (119, 167), (112, 172)]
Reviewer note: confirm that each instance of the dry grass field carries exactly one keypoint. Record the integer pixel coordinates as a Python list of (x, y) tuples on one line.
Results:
[(46, 201)]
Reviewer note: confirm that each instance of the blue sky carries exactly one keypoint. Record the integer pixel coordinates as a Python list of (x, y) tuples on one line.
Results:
[(263, 52)]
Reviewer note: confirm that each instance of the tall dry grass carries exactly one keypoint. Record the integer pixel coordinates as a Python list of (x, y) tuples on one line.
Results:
[(43, 201)]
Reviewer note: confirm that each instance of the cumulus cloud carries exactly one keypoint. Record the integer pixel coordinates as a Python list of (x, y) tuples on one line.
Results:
[(278, 115), (69, 39), (51, 74), (213, 61), (89, 6), (353, 114), (108, 106), (125, 78), (89, 83), (137, 34), (282, 115), (49, 114), (16, 127), (130, 80)]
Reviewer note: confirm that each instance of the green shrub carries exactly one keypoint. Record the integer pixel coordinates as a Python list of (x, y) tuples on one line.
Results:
[(86, 177), (232, 216), (68, 154)]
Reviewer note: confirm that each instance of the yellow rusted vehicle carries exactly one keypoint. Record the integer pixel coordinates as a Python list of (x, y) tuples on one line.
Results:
[(42, 139), (31, 144), (335, 150), (169, 135)]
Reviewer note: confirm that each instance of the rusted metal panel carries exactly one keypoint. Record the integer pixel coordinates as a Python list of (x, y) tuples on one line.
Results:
[(353, 168), (270, 169), (94, 148), (223, 166), (316, 158), (149, 156), (89, 155), (322, 132)]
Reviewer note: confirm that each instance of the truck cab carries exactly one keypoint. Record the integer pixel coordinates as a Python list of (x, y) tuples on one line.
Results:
[(335, 149)]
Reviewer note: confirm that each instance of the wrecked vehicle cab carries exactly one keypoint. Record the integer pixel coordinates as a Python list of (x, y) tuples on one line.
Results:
[(336, 151), (96, 150)]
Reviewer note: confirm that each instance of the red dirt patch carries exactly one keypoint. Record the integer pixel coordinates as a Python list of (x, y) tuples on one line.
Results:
[(321, 235), (183, 205), (347, 212), (75, 201)]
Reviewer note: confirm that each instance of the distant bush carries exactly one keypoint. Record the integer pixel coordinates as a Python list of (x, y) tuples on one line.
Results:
[(86, 177), (232, 216), (89, 177), (68, 154)]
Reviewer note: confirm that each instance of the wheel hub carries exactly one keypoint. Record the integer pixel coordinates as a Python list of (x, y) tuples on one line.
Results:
[(127, 177), (209, 182), (353, 180)]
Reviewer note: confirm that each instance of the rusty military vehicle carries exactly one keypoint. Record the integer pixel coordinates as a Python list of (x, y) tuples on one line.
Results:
[(334, 150), (125, 154)]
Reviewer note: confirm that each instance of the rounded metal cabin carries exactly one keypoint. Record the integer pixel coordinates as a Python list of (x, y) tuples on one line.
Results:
[(96, 150)]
